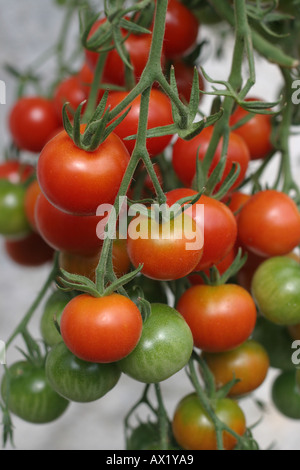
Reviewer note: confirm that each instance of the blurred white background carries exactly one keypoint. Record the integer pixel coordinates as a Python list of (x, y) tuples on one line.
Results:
[(27, 28)]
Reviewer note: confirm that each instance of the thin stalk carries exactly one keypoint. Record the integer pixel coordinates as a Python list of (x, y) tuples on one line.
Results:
[(23, 324)]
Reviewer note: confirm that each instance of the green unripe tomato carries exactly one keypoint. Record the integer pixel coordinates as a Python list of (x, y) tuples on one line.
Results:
[(165, 347), (78, 380), (276, 290)]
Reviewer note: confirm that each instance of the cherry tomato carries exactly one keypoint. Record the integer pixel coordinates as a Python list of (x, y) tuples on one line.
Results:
[(285, 395), (256, 132), (13, 220), (218, 225), (194, 430), (269, 224), (16, 171), (78, 380), (66, 232), (68, 91), (160, 114), (53, 310), (29, 251), (248, 363), (76, 181), (181, 30), (165, 347), (237, 200), (31, 397), (221, 318), (104, 329), (158, 247), (276, 290), (32, 121), (185, 156)]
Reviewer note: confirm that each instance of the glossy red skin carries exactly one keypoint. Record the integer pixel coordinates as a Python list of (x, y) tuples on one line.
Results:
[(101, 330), (237, 201), (76, 181), (68, 91), (269, 224), (30, 251), (32, 121), (164, 259), (221, 317), (222, 267), (15, 171), (184, 75), (256, 132), (138, 48), (66, 232), (185, 155), (181, 30), (160, 114), (220, 227)]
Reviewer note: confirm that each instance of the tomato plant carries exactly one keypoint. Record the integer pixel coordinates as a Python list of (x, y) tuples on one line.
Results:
[(144, 293)]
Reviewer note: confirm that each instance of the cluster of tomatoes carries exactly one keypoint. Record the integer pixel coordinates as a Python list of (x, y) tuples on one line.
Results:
[(94, 336)]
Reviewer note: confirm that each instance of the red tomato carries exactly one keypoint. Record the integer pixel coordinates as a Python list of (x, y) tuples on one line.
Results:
[(15, 171), (66, 232), (159, 251), (181, 30), (32, 121), (256, 132), (101, 330), (269, 224), (32, 193), (68, 91), (160, 114), (184, 75), (76, 181), (220, 227), (220, 317), (30, 251), (185, 155)]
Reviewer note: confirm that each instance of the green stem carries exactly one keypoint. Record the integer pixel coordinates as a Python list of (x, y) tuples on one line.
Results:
[(94, 92), (163, 419), (268, 50), (222, 128), (23, 324)]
